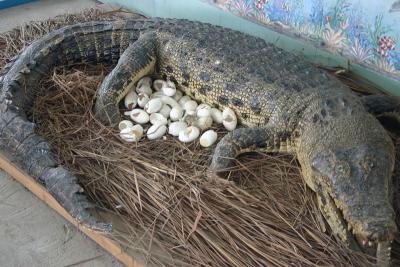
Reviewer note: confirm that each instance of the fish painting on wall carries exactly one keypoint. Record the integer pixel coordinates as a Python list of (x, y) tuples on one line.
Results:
[(364, 32)]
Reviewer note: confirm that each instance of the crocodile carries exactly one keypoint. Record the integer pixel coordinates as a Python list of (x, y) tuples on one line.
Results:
[(286, 104)]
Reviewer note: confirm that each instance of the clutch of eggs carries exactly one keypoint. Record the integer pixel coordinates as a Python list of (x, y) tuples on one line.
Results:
[(168, 111)]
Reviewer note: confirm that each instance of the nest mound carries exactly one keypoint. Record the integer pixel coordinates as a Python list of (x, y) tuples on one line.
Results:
[(263, 215)]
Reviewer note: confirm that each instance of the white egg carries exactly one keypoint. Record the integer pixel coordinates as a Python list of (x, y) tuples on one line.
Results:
[(184, 99), (124, 124), (158, 118), (204, 123), (143, 99), (178, 94), (189, 134), (156, 131), (132, 134), (144, 81), (168, 91), (145, 89), (176, 127), (229, 119), (208, 138), (216, 115), (203, 110), (170, 101), (130, 100), (190, 105), (157, 94), (139, 116), (176, 113), (190, 113), (165, 111), (154, 105), (158, 84)]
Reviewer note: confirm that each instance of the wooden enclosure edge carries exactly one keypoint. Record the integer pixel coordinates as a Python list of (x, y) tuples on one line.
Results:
[(39, 191)]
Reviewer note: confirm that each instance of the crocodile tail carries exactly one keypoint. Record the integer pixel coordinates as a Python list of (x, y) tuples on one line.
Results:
[(93, 42), (90, 42)]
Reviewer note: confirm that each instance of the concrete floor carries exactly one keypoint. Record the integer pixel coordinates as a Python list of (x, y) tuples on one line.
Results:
[(32, 234)]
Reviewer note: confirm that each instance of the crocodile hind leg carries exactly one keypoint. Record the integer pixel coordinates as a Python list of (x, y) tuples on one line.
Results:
[(244, 140), (137, 61), (386, 109)]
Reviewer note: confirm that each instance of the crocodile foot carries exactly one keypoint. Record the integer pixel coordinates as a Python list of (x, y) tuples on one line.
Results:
[(235, 143), (243, 140)]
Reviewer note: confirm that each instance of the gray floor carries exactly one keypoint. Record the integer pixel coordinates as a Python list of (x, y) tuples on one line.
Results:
[(32, 234)]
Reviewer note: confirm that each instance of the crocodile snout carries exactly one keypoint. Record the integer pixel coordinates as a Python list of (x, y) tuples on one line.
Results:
[(378, 232)]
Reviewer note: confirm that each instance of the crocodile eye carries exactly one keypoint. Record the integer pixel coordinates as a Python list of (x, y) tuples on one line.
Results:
[(342, 169)]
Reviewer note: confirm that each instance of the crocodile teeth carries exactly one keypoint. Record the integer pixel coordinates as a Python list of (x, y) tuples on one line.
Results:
[(383, 254), (370, 243), (364, 242)]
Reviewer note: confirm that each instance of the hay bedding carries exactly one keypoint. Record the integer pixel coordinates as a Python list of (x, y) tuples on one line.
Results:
[(267, 217)]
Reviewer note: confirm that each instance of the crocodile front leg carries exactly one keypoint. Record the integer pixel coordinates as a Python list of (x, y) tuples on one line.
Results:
[(137, 61), (245, 140)]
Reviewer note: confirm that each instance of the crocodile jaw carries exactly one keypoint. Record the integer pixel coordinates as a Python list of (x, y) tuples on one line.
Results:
[(349, 234), (354, 185), (350, 230)]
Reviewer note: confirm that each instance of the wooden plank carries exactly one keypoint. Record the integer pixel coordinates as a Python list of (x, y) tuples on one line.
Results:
[(38, 190)]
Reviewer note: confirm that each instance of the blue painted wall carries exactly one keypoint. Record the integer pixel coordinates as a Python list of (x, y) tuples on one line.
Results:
[(10, 3), (365, 32)]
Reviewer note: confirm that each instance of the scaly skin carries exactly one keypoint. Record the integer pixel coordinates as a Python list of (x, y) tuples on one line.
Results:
[(289, 106)]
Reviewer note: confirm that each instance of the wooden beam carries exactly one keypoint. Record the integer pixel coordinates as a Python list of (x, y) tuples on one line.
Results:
[(40, 191)]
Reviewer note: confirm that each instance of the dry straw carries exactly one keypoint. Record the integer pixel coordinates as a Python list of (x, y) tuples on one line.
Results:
[(263, 215)]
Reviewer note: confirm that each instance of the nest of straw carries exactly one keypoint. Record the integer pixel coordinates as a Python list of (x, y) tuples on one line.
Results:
[(264, 216)]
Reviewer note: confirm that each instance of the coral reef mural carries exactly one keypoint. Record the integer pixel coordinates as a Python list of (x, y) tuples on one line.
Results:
[(366, 32)]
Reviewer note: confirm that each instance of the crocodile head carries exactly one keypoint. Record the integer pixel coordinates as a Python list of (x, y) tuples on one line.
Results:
[(353, 185)]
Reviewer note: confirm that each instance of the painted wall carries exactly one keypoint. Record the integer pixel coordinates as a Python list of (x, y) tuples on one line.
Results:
[(366, 32)]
